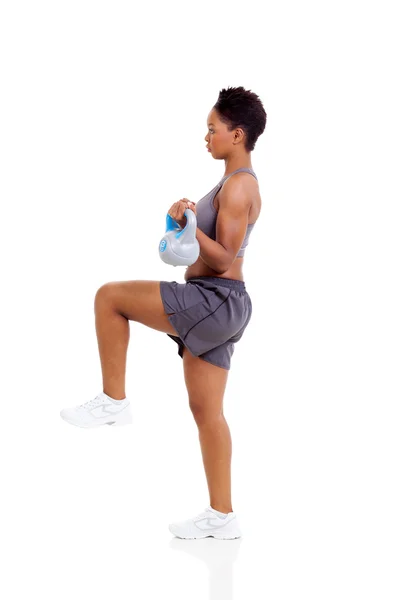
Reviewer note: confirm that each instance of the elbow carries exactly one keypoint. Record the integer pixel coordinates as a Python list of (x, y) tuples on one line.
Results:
[(221, 270), (225, 266)]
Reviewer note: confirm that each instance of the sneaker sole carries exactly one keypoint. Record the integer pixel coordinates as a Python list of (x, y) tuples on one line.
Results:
[(217, 537), (122, 418), (200, 537)]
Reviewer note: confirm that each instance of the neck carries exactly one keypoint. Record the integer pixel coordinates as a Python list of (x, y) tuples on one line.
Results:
[(237, 162)]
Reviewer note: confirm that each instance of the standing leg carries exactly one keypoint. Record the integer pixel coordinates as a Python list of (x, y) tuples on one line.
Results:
[(206, 387)]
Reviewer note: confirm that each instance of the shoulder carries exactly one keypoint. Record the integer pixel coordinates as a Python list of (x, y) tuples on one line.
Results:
[(238, 188)]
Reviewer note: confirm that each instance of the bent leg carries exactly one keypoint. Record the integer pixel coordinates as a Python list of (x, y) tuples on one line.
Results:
[(137, 301), (116, 304)]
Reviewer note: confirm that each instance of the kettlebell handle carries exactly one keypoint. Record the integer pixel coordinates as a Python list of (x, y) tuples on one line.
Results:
[(174, 225), (179, 246), (191, 223)]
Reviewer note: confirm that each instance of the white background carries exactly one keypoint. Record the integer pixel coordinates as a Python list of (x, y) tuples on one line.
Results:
[(103, 117)]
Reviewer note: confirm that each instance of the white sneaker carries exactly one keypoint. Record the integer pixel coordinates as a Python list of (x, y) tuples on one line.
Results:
[(207, 524), (102, 410)]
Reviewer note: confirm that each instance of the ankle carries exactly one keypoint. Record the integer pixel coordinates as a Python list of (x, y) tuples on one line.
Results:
[(115, 396), (221, 508)]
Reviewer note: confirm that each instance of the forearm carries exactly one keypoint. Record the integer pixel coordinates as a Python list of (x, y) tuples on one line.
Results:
[(211, 252)]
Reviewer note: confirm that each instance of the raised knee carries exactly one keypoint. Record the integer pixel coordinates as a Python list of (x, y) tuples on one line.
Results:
[(103, 293)]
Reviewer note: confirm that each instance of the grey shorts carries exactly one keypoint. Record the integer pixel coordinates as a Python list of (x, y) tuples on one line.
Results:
[(211, 316)]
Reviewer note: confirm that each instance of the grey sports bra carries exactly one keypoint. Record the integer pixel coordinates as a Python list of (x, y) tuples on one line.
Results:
[(207, 215)]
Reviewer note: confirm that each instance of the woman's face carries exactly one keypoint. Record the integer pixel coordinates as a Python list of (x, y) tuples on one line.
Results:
[(217, 134), (219, 139)]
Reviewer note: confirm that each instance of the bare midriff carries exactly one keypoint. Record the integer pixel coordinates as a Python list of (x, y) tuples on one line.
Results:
[(235, 271)]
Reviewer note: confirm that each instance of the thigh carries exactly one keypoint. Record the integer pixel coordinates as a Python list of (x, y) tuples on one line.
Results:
[(206, 384), (138, 301)]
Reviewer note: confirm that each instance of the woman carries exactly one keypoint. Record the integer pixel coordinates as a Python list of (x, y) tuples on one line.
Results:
[(205, 316)]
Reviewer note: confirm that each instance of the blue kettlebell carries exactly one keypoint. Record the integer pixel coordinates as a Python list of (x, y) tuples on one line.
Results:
[(179, 247)]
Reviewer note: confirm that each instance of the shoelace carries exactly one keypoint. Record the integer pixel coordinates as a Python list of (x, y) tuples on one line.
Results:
[(206, 513), (91, 403)]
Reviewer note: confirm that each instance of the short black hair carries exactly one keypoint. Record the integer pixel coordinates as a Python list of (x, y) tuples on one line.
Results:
[(238, 107)]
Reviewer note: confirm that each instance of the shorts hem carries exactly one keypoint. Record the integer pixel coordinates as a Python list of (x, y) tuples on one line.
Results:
[(213, 363), (180, 351), (179, 334), (166, 308)]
